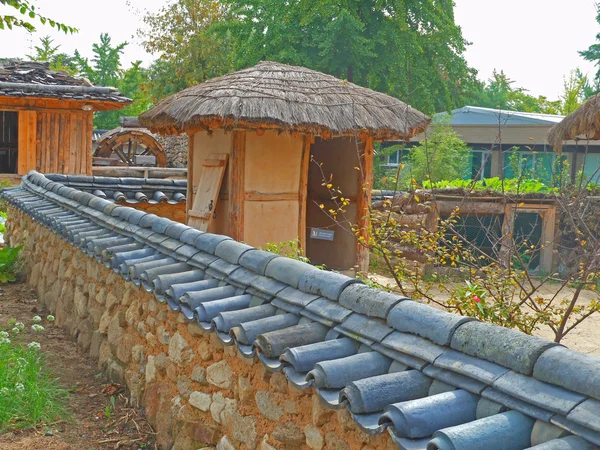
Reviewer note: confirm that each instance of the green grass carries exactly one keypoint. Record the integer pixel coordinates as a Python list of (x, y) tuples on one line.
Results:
[(29, 393)]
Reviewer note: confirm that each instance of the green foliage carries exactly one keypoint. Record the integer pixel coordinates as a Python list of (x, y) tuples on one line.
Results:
[(189, 51), (291, 249), (109, 408), (499, 93), (105, 69), (406, 48), (8, 263), (29, 394), (27, 12), (592, 53), (48, 52), (441, 155), (573, 94)]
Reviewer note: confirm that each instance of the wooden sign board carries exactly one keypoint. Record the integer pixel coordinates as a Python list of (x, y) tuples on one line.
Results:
[(212, 171)]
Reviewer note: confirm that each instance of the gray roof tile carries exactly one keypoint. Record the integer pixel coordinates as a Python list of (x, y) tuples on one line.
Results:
[(413, 345), (587, 414), (433, 324), (509, 348), (337, 373), (231, 250), (273, 343), (572, 370), (478, 369), (257, 260), (288, 271), (359, 325), (363, 299), (324, 283)]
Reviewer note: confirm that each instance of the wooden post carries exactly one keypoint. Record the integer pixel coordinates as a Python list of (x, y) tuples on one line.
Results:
[(237, 192), (26, 156), (303, 190), (189, 201), (548, 241), (363, 204)]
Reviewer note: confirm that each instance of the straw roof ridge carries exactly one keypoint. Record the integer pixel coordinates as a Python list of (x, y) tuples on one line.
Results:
[(583, 123), (277, 95)]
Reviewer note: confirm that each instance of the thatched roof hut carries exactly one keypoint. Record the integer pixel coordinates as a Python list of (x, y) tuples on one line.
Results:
[(583, 123), (271, 95), (253, 138)]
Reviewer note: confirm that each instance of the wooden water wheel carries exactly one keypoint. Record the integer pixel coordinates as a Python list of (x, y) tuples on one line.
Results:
[(129, 147)]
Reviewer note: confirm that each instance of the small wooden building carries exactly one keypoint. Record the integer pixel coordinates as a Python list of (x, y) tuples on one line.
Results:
[(265, 143), (46, 119)]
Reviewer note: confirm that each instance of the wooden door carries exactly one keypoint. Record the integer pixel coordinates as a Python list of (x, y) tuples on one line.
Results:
[(212, 171)]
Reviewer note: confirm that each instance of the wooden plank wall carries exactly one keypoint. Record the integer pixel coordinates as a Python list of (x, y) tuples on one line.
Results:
[(64, 142)]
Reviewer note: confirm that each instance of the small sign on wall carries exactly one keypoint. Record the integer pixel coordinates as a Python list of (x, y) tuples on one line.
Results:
[(320, 233)]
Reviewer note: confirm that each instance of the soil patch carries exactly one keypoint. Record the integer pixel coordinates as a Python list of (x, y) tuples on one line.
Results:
[(90, 392)]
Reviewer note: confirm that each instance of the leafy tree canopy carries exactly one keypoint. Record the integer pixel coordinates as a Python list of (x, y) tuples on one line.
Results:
[(188, 51), (26, 15), (105, 69), (410, 49)]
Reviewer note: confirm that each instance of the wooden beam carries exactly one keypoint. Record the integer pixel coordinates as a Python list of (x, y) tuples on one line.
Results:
[(190, 176), (363, 206), (303, 191), (254, 196), (237, 192)]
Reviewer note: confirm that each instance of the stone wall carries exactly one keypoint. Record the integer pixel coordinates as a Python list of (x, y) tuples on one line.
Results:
[(194, 391), (176, 149)]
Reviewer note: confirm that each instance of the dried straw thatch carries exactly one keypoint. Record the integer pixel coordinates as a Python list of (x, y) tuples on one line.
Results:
[(271, 95), (583, 123)]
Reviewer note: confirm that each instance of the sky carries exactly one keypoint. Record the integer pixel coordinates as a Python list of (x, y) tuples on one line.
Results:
[(535, 42)]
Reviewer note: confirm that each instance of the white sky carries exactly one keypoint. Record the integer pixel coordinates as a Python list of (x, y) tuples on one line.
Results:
[(534, 41)]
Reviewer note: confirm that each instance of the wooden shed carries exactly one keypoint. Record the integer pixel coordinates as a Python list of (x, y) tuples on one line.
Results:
[(265, 142), (46, 119)]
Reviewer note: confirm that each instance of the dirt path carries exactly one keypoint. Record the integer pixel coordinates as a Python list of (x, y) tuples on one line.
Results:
[(585, 338), (90, 428)]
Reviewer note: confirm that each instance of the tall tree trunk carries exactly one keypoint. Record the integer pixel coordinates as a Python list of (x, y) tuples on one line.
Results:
[(350, 76)]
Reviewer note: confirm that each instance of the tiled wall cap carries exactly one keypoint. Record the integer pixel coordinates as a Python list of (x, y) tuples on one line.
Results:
[(54, 176), (509, 348), (175, 230), (325, 283), (544, 432), (108, 209), (77, 178), (125, 213), (273, 344), (257, 260), (207, 242), (88, 199), (566, 443), (425, 321), (161, 224), (363, 299), (231, 250), (337, 373), (572, 370), (421, 417), (130, 180), (62, 190), (136, 216), (373, 394), (190, 235), (305, 357), (288, 270), (510, 431), (148, 220), (587, 414)]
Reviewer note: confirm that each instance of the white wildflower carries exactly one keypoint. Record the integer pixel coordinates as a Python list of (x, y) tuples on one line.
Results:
[(20, 325), (16, 330), (36, 319), (50, 318), (19, 387), (4, 334), (4, 392), (4, 340), (37, 327), (34, 346)]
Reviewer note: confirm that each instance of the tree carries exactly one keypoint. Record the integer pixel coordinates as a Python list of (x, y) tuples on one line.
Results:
[(442, 155), (573, 93), (47, 52), (189, 51), (499, 93), (410, 49), (105, 69), (27, 12), (592, 53)]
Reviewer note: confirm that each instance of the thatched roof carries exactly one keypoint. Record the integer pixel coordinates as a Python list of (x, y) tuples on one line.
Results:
[(583, 123), (36, 79), (271, 95)]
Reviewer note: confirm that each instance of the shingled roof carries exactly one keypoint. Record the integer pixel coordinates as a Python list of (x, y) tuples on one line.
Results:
[(36, 79), (431, 379)]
